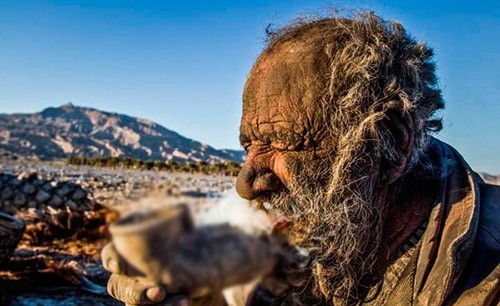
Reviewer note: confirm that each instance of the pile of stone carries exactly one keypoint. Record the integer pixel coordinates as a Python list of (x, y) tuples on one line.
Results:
[(29, 190), (117, 188)]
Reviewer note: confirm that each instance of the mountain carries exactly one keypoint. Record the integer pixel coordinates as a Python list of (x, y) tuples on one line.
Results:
[(57, 132), (491, 179)]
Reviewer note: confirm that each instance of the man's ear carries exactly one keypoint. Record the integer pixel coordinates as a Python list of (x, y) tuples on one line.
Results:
[(400, 127)]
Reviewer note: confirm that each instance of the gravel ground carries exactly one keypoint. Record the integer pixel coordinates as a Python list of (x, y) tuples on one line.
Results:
[(122, 190)]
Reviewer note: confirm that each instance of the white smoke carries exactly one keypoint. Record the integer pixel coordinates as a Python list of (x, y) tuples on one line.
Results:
[(237, 212)]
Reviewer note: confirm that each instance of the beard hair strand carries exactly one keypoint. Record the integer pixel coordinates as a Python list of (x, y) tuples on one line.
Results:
[(341, 232)]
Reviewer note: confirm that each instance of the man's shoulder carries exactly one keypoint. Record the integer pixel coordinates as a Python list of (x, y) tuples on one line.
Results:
[(489, 217), (479, 284)]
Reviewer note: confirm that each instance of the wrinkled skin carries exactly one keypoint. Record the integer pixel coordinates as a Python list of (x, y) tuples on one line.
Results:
[(141, 291), (336, 114), (281, 120), (290, 154)]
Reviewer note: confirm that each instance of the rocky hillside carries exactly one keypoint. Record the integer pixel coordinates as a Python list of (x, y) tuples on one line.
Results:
[(57, 132), (491, 179)]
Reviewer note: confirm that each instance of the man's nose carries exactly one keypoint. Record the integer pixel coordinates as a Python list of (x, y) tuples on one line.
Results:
[(252, 182)]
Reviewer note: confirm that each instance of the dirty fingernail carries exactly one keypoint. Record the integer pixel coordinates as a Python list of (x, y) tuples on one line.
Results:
[(155, 294)]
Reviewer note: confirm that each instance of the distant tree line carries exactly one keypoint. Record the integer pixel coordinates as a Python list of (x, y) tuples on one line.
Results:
[(222, 168)]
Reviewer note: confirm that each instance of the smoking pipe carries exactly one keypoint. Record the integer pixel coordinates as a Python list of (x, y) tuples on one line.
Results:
[(166, 247)]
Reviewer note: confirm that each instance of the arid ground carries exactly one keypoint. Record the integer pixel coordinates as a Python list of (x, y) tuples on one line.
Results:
[(66, 210)]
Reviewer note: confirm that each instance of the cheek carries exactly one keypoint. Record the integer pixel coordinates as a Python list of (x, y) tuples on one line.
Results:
[(307, 169)]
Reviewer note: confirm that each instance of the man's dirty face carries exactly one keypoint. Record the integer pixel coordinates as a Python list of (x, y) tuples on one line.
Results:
[(282, 122), (291, 153)]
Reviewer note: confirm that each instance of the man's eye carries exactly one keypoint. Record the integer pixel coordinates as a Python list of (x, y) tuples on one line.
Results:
[(255, 145)]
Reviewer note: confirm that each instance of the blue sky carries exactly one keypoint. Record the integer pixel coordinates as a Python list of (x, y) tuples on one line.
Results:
[(183, 63)]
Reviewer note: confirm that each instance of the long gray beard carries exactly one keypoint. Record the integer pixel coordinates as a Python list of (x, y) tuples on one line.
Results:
[(341, 233)]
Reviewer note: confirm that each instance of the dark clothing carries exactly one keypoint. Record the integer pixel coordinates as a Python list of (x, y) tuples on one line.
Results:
[(456, 262)]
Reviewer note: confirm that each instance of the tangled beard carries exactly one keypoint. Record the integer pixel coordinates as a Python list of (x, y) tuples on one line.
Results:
[(341, 233)]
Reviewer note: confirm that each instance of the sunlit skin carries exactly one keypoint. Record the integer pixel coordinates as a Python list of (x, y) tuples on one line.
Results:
[(275, 126), (283, 120)]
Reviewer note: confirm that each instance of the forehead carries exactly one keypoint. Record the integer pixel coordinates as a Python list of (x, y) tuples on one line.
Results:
[(284, 88)]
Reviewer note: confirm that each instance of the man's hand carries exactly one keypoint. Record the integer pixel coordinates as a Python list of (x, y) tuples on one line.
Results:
[(200, 266), (134, 290)]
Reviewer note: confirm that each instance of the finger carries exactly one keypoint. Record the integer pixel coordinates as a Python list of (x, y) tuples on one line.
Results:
[(111, 260), (134, 291)]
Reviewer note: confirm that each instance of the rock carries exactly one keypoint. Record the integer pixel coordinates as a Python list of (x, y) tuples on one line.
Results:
[(19, 199), (55, 201), (38, 182), (72, 205), (6, 194), (98, 184), (28, 176), (63, 190), (79, 194), (47, 186), (8, 207), (87, 204), (54, 184), (28, 189), (31, 204), (14, 182), (42, 196), (42, 206)]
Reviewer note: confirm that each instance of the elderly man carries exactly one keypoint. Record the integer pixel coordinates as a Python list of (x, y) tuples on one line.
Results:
[(337, 116)]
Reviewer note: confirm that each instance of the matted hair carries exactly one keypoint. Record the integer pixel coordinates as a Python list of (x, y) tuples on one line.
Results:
[(374, 66), (372, 69)]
